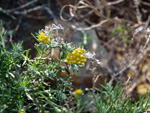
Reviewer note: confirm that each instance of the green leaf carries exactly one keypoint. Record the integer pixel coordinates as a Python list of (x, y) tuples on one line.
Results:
[(29, 96), (12, 75), (26, 57), (38, 50), (34, 37)]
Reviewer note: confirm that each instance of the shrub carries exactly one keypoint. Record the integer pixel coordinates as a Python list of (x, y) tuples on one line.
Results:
[(35, 85)]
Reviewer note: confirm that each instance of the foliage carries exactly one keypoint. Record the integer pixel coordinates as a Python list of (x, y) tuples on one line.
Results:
[(35, 85), (110, 100)]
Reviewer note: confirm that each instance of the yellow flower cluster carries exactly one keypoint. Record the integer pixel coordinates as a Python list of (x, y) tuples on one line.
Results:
[(76, 57), (43, 38), (78, 92), (22, 111)]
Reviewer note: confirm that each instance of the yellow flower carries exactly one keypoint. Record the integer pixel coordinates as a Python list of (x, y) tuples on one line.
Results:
[(73, 57), (83, 63), (78, 92), (46, 41), (43, 38), (76, 57), (22, 111), (74, 61), (40, 39)]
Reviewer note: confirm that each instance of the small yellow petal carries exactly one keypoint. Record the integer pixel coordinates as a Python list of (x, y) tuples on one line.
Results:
[(77, 59), (79, 62), (22, 111), (40, 40), (84, 56), (68, 58), (42, 34), (77, 54), (83, 50), (69, 54), (48, 41), (82, 63), (85, 60), (45, 42), (74, 61), (46, 37), (78, 92), (73, 53), (73, 57)]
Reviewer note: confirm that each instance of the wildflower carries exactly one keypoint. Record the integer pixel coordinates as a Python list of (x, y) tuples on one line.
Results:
[(78, 92), (76, 57), (43, 38), (22, 111)]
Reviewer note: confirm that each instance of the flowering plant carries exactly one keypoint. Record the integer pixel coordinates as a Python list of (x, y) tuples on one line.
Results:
[(38, 81), (36, 85)]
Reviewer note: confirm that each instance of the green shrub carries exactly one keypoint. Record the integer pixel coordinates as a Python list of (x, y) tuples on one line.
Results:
[(35, 85), (111, 100)]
